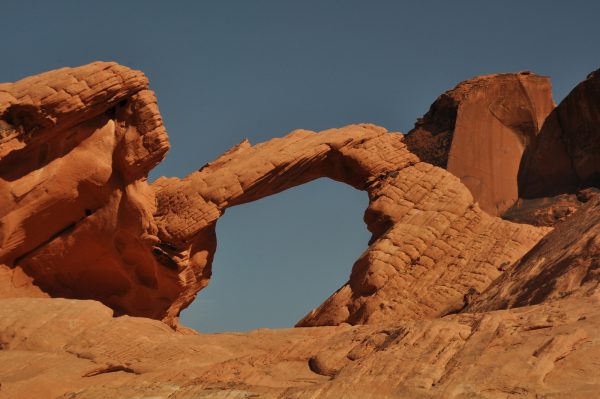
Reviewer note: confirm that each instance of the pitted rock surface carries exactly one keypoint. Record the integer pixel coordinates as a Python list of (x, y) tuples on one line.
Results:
[(75, 209), (431, 243)]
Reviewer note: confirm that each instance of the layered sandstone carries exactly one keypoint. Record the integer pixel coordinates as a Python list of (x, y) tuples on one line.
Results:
[(479, 130), (447, 301), (75, 210), (57, 348), (564, 157), (565, 263), (431, 242)]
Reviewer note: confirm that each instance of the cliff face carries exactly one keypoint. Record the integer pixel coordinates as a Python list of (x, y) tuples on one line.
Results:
[(448, 300), (479, 130), (565, 155)]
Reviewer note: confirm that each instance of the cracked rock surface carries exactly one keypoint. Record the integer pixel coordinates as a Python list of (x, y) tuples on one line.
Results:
[(448, 301)]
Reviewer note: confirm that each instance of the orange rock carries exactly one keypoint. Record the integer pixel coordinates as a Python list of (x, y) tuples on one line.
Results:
[(14, 283), (431, 243), (75, 209), (564, 157), (55, 348), (548, 211), (565, 263), (80, 219), (479, 130)]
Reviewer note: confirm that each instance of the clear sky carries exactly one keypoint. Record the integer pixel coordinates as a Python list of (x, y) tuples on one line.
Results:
[(228, 70)]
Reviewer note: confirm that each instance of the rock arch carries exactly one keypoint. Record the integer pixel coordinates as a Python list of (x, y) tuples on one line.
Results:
[(430, 245), (78, 217)]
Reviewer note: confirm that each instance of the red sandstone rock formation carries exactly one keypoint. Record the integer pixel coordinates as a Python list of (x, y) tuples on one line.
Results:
[(431, 243), (75, 211), (565, 263), (565, 156), (58, 348), (104, 239), (77, 219), (479, 130)]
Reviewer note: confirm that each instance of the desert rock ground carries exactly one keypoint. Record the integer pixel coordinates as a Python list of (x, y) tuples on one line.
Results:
[(450, 300)]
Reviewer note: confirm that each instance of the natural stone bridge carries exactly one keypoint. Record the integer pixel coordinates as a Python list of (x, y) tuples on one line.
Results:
[(79, 142)]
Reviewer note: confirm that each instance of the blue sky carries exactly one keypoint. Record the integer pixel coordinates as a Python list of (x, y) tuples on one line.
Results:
[(228, 70)]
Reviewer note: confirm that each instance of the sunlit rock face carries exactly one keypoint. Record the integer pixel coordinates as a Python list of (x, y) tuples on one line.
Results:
[(431, 243), (479, 130), (75, 209), (82, 222), (565, 156), (448, 300)]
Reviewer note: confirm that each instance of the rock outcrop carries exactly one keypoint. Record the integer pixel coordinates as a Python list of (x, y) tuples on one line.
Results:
[(57, 348), (81, 221), (479, 130), (565, 263), (75, 210), (548, 211), (565, 156), (448, 300), (431, 243)]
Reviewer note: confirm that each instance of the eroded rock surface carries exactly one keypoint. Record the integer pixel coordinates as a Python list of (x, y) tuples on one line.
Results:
[(565, 263), (81, 221), (446, 302), (57, 348), (431, 243), (565, 156), (548, 211), (479, 130), (75, 210)]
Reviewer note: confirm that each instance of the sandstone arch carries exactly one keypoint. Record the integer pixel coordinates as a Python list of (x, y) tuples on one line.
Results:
[(146, 250), (416, 209)]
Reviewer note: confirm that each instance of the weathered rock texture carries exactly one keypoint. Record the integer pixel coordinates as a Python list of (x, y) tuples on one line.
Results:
[(479, 130), (57, 348), (566, 263), (548, 211), (431, 243), (75, 211), (565, 156), (446, 302), (79, 218)]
